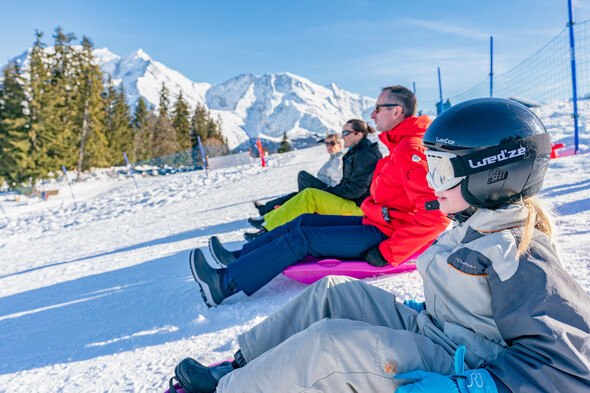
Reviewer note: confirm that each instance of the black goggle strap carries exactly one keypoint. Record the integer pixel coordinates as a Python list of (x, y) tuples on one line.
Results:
[(496, 156)]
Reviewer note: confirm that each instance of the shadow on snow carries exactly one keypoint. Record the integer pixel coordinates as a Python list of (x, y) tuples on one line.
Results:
[(195, 233), (143, 305)]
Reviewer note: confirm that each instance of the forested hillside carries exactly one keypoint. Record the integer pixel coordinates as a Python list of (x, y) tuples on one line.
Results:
[(58, 109)]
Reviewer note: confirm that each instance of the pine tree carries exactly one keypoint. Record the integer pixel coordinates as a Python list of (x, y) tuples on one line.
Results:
[(219, 133), (118, 123), (164, 110), (109, 95), (164, 140), (142, 137), (140, 115), (180, 122), (205, 127), (199, 125), (284, 147), (43, 124), (122, 119), (62, 126), (90, 119), (15, 143), (212, 131)]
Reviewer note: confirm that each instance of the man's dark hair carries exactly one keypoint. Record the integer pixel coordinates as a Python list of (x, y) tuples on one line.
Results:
[(402, 96)]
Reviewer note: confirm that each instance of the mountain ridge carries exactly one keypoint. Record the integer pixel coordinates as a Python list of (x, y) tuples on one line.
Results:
[(248, 105)]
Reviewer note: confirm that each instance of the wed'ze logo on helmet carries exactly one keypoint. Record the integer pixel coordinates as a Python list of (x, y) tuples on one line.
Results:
[(445, 141), (503, 156)]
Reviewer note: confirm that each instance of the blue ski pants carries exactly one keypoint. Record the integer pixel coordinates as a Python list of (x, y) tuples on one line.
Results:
[(321, 236)]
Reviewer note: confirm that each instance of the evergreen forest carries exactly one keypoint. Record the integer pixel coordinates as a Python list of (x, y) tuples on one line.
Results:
[(60, 110)]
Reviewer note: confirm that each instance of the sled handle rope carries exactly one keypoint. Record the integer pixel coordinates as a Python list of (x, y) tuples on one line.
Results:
[(172, 388)]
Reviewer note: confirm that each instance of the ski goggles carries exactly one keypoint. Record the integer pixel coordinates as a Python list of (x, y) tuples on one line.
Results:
[(446, 170), (441, 175)]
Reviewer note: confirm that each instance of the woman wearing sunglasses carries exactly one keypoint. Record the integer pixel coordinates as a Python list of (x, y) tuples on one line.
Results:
[(329, 175), (500, 314), (344, 198)]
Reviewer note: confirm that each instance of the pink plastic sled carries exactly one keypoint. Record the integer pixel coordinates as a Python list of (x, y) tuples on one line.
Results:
[(308, 271)]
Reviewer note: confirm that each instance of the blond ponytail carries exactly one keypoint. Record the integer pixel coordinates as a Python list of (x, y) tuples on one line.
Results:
[(539, 217)]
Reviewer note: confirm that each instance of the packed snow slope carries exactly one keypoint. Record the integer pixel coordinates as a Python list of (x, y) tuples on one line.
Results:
[(97, 295)]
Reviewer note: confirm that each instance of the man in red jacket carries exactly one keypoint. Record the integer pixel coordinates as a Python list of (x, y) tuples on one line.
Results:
[(396, 223), (399, 189)]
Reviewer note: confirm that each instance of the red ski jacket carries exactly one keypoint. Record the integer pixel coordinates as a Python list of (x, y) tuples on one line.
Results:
[(399, 185)]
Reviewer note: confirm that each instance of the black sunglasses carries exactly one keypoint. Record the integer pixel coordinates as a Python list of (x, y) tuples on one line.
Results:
[(384, 106), (347, 132), (332, 143)]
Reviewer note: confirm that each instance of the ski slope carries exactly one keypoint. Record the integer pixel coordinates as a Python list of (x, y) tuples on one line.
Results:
[(97, 295)]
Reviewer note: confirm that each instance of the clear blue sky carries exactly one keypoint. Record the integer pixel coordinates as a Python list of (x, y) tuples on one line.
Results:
[(360, 45)]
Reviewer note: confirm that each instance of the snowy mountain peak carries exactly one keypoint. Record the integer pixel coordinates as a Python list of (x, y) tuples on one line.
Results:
[(142, 55), (104, 55), (271, 104), (143, 76)]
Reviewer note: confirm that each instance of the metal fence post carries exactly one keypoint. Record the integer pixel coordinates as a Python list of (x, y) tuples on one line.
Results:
[(491, 66), (203, 155), (575, 89), (442, 108)]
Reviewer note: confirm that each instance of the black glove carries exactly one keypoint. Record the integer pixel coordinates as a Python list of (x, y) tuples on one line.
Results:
[(374, 257)]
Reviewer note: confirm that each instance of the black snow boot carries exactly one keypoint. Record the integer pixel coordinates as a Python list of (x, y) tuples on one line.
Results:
[(222, 256), (257, 223), (193, 377), (211, 281), (261, 207), (249, 236)]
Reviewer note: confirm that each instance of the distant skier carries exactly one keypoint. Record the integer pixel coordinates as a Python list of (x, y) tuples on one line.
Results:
[(394, 226), (344, 198), (498, 300)]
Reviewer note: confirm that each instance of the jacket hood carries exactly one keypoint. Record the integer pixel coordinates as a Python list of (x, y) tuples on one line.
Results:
[(410, 126)]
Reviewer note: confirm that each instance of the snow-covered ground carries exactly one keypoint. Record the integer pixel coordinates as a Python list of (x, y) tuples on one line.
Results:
[(97, 296)]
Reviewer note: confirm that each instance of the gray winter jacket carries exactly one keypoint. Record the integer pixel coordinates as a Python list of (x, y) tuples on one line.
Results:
[(331, 172), (525, 316)]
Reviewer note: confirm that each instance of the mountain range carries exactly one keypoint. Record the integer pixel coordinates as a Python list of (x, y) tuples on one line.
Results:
[(249, 106)]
